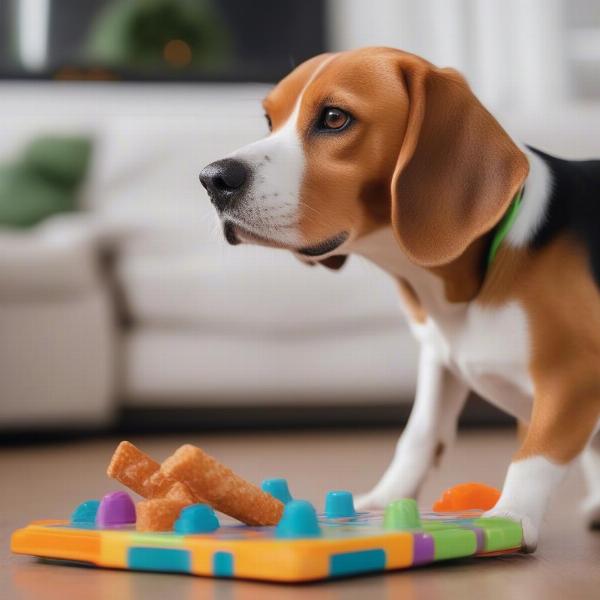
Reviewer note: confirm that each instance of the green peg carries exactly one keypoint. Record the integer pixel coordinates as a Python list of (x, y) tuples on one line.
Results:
[(402, 514)]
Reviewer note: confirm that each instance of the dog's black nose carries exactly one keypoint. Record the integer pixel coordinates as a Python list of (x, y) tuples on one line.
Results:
[(223, 179)]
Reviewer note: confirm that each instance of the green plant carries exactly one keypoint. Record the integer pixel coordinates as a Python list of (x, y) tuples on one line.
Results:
[(159, 33)]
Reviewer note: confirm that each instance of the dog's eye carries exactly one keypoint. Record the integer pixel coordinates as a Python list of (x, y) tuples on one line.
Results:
[(334, 118), (269, 124)]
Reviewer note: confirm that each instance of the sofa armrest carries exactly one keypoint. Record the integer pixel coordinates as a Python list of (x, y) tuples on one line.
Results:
[(56, 258)]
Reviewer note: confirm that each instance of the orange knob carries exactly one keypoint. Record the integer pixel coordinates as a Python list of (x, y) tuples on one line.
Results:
[(467, 496)]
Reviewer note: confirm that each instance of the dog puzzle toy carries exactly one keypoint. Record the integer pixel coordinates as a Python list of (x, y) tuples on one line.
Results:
[(167, 534)]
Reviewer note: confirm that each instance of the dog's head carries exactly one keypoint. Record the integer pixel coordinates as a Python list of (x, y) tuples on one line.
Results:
[(363, 139)]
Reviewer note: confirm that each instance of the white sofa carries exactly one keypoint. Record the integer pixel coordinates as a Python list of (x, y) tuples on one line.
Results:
[(57, 337), (196, 322), (200, 324)]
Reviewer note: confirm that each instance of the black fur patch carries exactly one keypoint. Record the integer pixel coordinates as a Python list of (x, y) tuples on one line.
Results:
[(574, 205)]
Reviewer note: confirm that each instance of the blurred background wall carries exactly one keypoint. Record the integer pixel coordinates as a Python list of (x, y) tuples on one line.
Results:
[(119, 301)]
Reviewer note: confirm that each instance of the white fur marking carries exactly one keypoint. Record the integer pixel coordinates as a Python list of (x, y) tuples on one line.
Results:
[(461, 332), (534, 204), (497, 371), (527, 488), (271, 208)]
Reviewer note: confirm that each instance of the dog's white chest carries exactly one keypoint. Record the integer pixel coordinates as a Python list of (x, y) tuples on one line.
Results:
[(489, 349), (486, 347)]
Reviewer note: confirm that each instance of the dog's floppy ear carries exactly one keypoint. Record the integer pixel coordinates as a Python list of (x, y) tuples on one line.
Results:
[(457, 170)]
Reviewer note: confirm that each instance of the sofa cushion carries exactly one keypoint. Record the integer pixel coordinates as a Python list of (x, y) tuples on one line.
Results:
[(178, 271), (42, 182), (53, 260), (26, 198), (199, 367), (249, 289)]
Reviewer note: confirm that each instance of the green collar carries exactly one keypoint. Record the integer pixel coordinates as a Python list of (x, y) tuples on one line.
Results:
[(504, 226)]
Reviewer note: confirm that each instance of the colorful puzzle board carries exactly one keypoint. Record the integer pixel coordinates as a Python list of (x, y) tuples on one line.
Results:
[(346, 546)]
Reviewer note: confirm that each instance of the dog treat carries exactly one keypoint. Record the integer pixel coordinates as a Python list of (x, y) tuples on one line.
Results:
[(158, 514), (221, 487), (142, 474)]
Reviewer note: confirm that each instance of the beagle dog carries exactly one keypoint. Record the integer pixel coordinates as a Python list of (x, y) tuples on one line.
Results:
[(495, 248)]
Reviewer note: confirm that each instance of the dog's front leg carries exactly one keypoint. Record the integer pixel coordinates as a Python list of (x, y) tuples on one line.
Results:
[(590, 461), (565, 412), (527, 488), (431, 428)]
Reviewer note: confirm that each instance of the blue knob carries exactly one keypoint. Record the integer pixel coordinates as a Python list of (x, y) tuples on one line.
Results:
[(196, 518), (278, 488), (299, 520), (86, 512), (339, 504)]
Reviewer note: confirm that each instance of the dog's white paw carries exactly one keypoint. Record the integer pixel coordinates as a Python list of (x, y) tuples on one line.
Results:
[(377, 499), (530, 529), (590, 509), (369, 501)]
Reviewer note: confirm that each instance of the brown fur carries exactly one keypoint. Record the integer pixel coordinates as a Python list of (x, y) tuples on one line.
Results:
[(445, 195), (419, 156), (411, 301), (415, 156), (439, 453), (562, 303), (522, 428), (280, 102), (464, 275), (346, 184)]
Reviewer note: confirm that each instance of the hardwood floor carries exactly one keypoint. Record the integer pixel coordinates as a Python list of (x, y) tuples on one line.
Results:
[(48, 481)]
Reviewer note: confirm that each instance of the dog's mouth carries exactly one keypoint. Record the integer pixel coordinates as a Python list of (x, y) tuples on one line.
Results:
[(326, 246), (230, 233), (234, 234)]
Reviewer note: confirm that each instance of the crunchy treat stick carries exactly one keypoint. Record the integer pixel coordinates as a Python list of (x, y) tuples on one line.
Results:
[(140, 473), (221, 487), (157, 514)]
